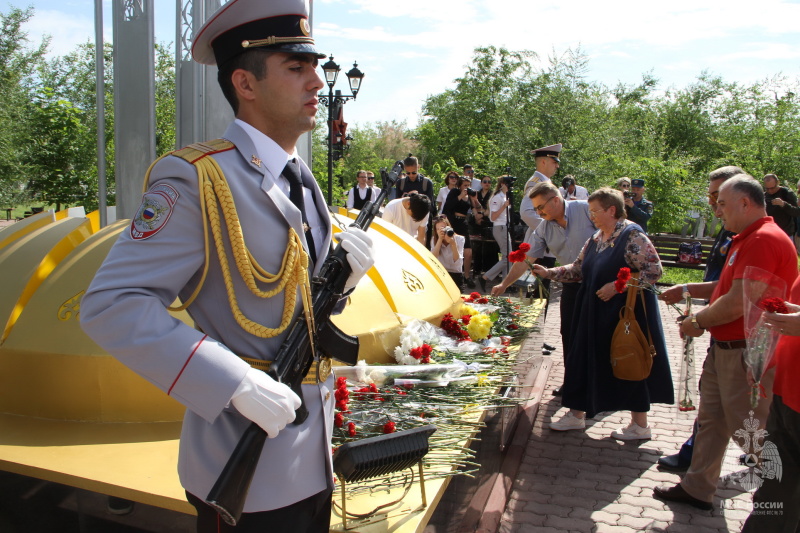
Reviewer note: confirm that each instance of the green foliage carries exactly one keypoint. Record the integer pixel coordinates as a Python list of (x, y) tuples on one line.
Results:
[(503, 107), (16, 83), (374, 146), (58, 155)]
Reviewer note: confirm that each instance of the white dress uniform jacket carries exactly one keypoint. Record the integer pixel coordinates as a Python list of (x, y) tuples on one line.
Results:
[(124, 311)]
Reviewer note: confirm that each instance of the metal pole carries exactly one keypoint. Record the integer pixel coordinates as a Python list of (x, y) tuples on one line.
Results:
[(100, 99), (330, 145)]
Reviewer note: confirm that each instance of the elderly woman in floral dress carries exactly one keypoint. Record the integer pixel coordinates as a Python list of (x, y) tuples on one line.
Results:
[(589, 383)]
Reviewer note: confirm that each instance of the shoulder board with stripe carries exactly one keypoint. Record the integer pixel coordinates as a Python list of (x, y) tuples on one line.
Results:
[(195, 152)]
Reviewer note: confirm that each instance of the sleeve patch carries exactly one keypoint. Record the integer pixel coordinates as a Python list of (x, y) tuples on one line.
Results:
[(154, 212)]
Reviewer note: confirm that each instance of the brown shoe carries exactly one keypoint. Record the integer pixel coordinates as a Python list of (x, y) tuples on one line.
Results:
[(677, 494)]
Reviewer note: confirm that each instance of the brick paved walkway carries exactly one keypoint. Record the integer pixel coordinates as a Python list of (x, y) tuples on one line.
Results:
[(588, 482)]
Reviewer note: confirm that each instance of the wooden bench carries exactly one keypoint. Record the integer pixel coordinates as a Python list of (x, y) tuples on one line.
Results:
[(667, 247)]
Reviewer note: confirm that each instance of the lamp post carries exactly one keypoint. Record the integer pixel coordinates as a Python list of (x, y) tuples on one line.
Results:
[(334, 101)]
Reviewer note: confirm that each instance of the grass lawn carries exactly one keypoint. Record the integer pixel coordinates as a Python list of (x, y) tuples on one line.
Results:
[(677, 276)]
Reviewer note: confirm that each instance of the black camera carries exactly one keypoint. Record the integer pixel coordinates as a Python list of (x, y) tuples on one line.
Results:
[(449, 231), (627, 194), (509, 180), (470, 192)]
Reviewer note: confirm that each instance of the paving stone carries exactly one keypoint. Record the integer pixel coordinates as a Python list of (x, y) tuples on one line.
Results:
[(568, 523), (586, 481), (636, 523)]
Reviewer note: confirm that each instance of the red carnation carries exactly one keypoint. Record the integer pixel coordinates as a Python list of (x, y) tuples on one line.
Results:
[(524, 247), (416, 353), (351, 429), (474, 295), (620, 285), (513, 326), (426, 350), (774, 305), (341, 382), (389, 427), (466, 318), (341, 405), (338, 420), (517, 256), (482, 300)]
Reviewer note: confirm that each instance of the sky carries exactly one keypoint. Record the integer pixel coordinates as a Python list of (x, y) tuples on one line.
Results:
[(411, 49)]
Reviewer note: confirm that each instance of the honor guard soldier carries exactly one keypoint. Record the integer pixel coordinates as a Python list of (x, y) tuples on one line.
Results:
[(235, 227)]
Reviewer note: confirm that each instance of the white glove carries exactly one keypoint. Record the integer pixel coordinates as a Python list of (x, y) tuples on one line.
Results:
[(358, 246), (266, 402)]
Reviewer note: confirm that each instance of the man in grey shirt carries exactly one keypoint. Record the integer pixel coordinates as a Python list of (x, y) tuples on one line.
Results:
[(565, 228)]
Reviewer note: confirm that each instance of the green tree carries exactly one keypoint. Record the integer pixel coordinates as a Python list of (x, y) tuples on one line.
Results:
[(58, 155), (17, 63)]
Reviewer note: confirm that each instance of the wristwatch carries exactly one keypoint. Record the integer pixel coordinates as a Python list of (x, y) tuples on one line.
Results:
[(686, 293), (693, 318)]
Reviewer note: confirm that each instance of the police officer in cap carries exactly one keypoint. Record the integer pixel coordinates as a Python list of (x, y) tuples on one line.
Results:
[(637, 208), (243, 293)]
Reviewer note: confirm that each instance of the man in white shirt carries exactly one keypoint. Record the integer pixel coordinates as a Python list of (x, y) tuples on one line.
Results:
[(571, 191), (410, 214), (362, 193)]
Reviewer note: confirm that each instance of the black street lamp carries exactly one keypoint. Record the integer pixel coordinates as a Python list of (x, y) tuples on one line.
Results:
[(334, 102)]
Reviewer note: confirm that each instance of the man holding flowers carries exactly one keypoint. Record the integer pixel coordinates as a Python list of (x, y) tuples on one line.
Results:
[(725, 393), (565, 228)]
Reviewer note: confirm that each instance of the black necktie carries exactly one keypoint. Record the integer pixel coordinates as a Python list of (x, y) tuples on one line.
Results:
[(292, 173)]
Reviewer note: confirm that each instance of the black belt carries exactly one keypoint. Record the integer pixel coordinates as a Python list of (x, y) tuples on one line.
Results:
[(731, 345)]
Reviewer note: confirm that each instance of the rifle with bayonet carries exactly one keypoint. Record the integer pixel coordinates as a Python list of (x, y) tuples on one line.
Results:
[(294, 359)]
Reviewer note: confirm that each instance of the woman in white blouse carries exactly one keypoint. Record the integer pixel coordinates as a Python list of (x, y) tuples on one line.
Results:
[(498, 214), (448, 247)]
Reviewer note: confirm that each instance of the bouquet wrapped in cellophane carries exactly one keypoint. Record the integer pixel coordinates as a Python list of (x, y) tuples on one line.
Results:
[(762, 292)]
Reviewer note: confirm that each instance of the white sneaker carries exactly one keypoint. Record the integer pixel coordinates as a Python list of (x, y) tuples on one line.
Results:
[(633, 432), (568, 422)]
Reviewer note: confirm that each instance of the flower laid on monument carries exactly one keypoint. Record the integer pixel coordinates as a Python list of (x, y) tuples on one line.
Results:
[(462, 379), (763, 292)]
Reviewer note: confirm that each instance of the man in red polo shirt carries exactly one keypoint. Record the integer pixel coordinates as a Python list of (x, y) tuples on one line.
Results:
[(775, 502), (725, 394)]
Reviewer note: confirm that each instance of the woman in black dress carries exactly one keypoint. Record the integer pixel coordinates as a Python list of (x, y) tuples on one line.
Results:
[(589, 383), (456, 208)]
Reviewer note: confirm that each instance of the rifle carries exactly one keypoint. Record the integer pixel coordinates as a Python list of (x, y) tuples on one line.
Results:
[(293, 361)]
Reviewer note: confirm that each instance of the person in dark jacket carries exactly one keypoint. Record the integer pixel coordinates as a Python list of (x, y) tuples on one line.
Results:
[(781, 204)]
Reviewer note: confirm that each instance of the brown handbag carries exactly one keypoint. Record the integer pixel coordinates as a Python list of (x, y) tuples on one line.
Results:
[(631, 352)]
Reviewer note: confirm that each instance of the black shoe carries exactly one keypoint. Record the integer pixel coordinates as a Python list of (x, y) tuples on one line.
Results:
[(677, 494), (482, 282), (548, 347), (470, 283), (119, 506), (673, 463), (546, 352), (557, 391)]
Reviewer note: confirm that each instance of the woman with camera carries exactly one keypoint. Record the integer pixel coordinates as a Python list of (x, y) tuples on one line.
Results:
[(448, 247), (450, 183), (498, 214), (459, 201)]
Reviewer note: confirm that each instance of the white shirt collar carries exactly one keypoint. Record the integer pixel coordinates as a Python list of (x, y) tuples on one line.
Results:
[(272, 156)]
